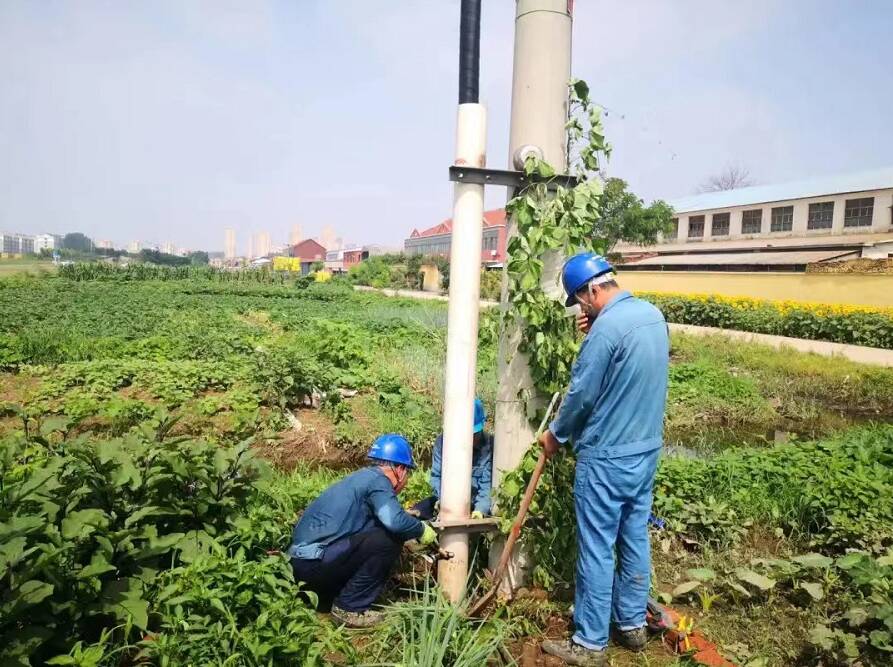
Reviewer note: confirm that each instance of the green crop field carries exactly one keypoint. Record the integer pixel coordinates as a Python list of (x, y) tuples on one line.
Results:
[(28, 266), (159, 438)]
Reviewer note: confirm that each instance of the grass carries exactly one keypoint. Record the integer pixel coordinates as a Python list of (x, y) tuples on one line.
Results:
[(724, 393), (26, 266)]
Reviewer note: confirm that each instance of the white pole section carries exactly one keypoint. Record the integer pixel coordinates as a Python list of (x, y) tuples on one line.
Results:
[(462, 341)]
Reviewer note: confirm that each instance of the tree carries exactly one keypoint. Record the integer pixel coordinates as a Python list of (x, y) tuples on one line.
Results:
[(77, 241), (734, 176), (199, 258), (162, 259), (624, 217)]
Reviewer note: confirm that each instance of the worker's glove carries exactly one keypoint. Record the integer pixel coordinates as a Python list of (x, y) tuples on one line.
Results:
[(477, 515), (429, 535)]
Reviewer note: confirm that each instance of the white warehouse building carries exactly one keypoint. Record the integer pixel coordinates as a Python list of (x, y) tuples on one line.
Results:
[(783, 227)]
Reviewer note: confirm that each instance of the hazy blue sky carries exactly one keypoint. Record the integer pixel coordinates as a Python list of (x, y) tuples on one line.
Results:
[(170, 120)]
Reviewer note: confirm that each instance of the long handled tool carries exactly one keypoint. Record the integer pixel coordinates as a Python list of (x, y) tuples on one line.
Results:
[(519, 518)]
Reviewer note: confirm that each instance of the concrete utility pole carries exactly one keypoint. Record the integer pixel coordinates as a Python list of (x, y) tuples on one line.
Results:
[(462, 317), (541, 72)]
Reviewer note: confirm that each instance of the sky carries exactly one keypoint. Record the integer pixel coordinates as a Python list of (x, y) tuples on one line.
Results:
[(171, 120)]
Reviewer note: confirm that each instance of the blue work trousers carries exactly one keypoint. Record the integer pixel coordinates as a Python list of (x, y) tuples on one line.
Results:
[(612, 498), (352, 572)]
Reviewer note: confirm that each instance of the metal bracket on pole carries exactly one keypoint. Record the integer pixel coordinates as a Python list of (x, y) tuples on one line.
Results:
[(508, 178), (467, 525)]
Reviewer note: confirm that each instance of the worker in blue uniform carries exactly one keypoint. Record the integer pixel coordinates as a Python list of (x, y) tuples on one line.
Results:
[(481, 470), (348, 539), (613, 413)]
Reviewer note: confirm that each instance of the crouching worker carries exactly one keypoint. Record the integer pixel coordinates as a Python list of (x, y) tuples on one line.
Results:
[(481, 471), (348, 539)]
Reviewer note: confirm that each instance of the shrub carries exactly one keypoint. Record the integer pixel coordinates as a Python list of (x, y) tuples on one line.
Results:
[(86, 526), (854, 325)]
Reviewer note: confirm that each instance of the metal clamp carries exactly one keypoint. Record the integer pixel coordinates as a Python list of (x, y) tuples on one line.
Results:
[(508, 177), (485, 525)]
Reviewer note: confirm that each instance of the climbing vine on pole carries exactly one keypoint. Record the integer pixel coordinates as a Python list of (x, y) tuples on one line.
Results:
[(555, 221), (562, 221)]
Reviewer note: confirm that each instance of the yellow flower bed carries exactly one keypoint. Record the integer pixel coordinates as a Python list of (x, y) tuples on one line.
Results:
[(747, 303), (855, 325)]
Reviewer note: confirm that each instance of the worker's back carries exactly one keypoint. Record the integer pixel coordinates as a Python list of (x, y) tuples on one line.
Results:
[(630, 343), (340, 510)]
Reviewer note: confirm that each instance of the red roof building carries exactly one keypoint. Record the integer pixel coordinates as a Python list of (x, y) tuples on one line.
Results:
[(436, 240), (308, 250)]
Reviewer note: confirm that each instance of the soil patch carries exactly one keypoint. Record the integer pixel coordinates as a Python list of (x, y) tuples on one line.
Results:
[(15, 388), (314, 443)]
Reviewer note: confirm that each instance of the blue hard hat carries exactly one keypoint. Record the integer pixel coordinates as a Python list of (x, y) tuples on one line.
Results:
[(480, 415), (579, 270), (392, 448)]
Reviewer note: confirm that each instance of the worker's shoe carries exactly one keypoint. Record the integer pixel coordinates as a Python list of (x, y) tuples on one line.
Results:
[(634, 640), (574, 654), (357, 619)]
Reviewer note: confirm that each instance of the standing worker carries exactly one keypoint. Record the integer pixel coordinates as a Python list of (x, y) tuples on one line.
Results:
[(613, 413), (481, 470), (348, 539)]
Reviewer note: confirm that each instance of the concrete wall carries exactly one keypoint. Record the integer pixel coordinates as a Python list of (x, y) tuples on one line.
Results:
[(865, 290)]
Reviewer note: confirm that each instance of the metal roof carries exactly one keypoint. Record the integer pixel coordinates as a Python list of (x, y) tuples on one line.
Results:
[(876, 179), (784, 258)]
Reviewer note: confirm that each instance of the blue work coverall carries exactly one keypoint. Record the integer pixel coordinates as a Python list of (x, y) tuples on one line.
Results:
[(481, 473), (347, 540), (614, 412)]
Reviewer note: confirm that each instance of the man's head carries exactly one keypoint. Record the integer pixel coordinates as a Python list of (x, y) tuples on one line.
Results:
[(595, 295), (588, 279), (393, 454)]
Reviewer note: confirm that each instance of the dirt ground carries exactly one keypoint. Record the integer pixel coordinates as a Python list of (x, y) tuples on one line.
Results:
[(314, 442)]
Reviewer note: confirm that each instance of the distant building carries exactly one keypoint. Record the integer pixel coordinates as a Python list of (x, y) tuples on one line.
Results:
[(168, 248), (16, 244), (775, 227), (104, 244), (436, 240), (296, 235), (47, 242), (262, 245), (334, 261), (134, 247), (354, 256), (229, 243), (328, 238), (309, 252)]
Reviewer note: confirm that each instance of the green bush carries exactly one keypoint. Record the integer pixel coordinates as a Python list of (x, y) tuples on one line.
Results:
[(86, 526), (854, 325)]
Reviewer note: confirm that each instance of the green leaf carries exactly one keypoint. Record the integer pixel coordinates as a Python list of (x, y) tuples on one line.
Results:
[(754, 579), (816, 592), (123, 598), (738, 588), (98, 565), (813, 560), (581, 90), (701, 573), (80, 524), (685, 588), (33, 592)]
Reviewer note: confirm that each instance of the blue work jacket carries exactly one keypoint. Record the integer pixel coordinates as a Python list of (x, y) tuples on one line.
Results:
[(481, 472), (359, 502), (618, 391)]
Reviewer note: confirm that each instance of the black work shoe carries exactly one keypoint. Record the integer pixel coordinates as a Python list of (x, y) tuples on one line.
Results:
[(634, 639), (357, 619), (574, 654)]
